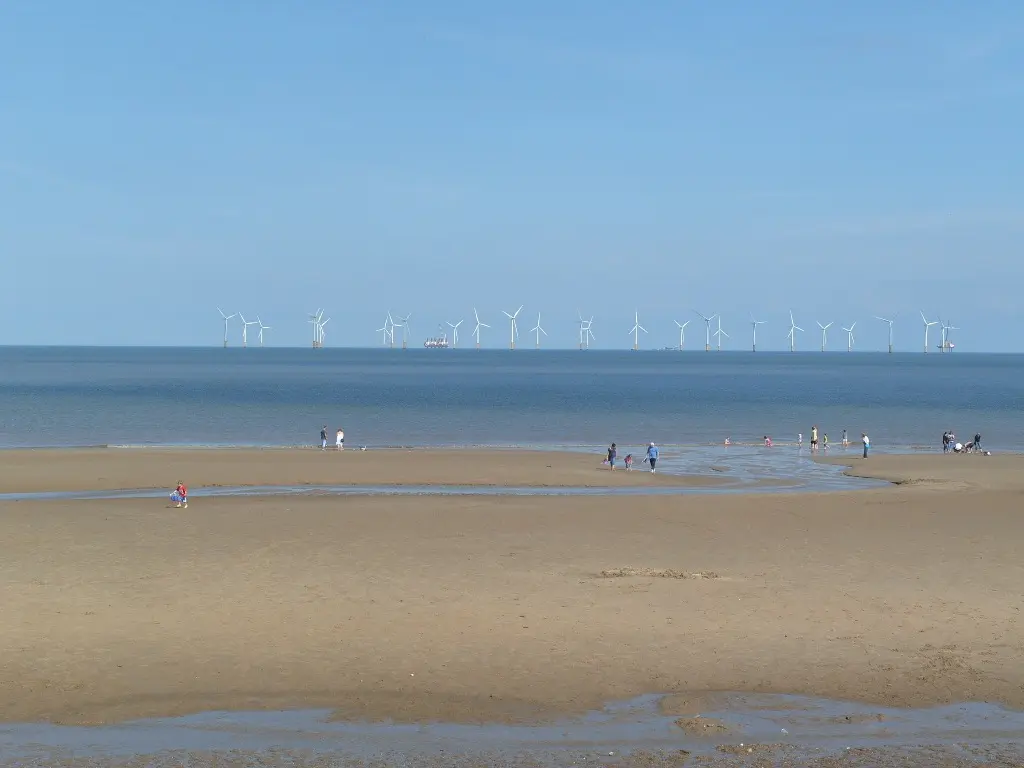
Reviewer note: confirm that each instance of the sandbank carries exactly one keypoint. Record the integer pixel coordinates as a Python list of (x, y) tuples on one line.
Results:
[(506, 608), (938, 471), (90, 469)]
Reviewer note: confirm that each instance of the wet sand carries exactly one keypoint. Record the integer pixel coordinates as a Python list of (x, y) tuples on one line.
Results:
[(508, 609), (115, 468)]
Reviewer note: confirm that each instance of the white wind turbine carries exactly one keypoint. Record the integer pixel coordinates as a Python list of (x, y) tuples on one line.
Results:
[(947, 345), (793, 328), (849, 336), (824, 333), (388, 330), (927, 324), (682, 333), (515, 328), (226, 318), (479, 325), (583, 328), (538, 331), (321, 332), (314, 320), (890, 322), (588, 334), (707, 329), (403, 323), (635, 330), (753, 331), (720, 333), (262, 328), (455, 333), (245, 327)]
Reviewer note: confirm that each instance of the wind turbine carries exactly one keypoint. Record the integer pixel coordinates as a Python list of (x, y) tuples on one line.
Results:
[(890, 322), (589, 334), (383, 330), (927, 325), (314, 320), (753, 331), (720, 333), (849, 336), (479, 325), (226, 318), (793, 328), (515, 328), (583, 328), (262, 328), (682, 333), (947, 345), (635, 330), (405, 330), (455, 333), (538, 331), (388, 330), (245, 327), (707, 330), (321, 332), (824, 334)]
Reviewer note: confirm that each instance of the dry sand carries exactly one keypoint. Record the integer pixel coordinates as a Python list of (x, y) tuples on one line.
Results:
[(496, 608), (24, 471)]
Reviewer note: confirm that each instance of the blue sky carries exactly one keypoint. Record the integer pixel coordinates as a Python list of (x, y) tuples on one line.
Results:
[(160, 159)]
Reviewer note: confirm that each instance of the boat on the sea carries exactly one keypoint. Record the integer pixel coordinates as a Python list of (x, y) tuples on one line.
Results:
[(437, 342)]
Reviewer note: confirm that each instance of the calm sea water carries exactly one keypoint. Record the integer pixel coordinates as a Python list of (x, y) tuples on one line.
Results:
[(213, 396)]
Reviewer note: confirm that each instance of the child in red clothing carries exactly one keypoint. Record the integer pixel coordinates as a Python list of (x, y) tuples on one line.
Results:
[(181, 492)]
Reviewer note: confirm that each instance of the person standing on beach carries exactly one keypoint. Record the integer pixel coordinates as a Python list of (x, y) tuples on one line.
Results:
[(824, 442), (814, 437), (612, 453), (867, 443), (339, 440), (846, 440), (652, 456), (977, 441), (323, 438), (945, 441)]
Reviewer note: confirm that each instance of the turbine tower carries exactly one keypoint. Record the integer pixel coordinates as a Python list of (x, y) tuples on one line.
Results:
[(890, 322), (793, 328), (455, 333), (262, 328), (321, 332), (720, 333), (753, 331), (226, 318), (947, 345), (538, 331), (479, 325), (388, 330), (849, 336), (927, 325), (245, 328), (682, 333), (514, 333), (589, 334), (707, 330), (635, 330), (583, 328), (824, 334)]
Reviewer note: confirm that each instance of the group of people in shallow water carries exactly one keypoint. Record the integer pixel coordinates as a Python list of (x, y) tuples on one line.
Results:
[(845, 442), (950, 445), (651, 458)]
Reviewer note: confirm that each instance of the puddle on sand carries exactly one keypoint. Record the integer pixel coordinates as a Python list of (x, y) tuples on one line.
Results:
[(627, 733)]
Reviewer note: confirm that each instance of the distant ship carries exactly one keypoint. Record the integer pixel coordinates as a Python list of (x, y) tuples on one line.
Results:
[(946, 347), (438, 342)]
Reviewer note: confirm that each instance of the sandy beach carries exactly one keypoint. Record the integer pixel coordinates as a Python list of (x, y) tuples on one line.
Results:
[(498, 608)]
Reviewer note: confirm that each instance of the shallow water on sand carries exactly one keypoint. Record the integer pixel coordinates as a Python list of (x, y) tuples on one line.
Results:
[(735, 469), (768, 727)]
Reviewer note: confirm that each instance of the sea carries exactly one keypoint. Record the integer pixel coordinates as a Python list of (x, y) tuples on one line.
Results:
[(123, 396)]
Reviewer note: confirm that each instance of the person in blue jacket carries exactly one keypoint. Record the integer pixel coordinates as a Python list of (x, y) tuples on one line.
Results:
[(652, 456)]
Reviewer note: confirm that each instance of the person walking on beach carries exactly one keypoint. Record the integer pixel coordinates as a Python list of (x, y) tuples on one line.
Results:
[(612, 453), (652, 456), (867, 443), (339, 439), (814, 438), (824, 442), (181, 492), (846, 441), (323, 438)]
